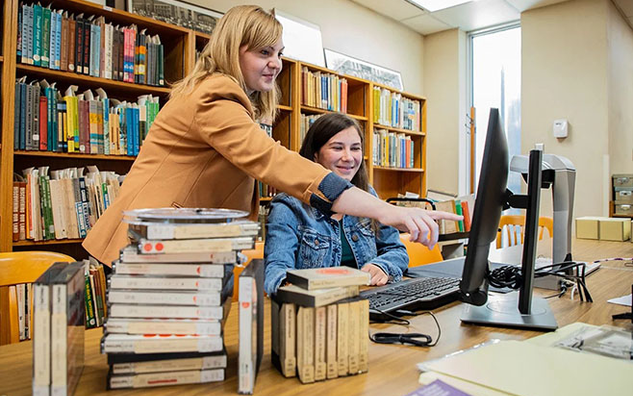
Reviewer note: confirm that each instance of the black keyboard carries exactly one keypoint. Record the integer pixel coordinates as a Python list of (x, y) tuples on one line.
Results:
[(411, 295)]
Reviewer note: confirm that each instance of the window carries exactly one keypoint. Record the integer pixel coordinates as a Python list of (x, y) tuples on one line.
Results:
[(495, 69)]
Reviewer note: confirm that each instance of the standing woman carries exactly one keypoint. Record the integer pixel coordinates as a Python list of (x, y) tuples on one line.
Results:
[(205, 147)]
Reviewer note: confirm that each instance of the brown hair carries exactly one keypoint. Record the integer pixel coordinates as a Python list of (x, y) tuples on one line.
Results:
[(322, 130), (241, 25)]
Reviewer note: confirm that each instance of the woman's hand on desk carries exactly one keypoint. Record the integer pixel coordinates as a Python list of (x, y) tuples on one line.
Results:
[(378, 276)]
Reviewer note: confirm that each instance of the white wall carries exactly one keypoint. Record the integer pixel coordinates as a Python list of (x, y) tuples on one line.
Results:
[(444, 88), (564, 75), (620, 106), (354, 30)]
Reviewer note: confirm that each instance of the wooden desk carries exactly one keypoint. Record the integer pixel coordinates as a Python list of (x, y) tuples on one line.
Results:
[(392, 368)]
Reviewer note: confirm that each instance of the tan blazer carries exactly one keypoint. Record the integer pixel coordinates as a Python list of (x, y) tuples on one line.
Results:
[(204, 150)]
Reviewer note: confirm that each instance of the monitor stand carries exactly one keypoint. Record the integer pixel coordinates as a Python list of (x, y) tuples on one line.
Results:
[(502, 310), (520, 309)]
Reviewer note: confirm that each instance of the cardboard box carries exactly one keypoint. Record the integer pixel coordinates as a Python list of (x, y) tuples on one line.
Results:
[(588, 227), (613, 229)]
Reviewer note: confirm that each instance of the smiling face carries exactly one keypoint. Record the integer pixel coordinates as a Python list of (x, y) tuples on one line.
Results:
[(342, 154), (261, 66)]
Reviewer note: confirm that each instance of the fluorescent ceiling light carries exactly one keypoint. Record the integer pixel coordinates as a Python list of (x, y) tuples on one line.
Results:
[(435, 5)]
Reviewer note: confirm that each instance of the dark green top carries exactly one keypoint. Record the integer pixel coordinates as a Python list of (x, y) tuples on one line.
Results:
[(347, 256)]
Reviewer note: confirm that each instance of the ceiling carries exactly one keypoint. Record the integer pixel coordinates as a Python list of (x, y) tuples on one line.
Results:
[(478, 14)]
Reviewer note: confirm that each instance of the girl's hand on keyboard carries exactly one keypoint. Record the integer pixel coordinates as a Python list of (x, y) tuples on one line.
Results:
[(378, 276)]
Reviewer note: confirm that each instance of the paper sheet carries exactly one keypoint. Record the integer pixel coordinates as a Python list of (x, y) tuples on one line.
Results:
[(624, 300)]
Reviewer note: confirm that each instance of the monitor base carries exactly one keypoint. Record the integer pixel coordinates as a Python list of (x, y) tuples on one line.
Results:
[(503, 311)]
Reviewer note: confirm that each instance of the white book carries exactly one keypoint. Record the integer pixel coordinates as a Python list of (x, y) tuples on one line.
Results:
[(162, 246), (165, 311), (165, 378), (201, 299), (130, 254), (197, 270), (251, 325), (164, 326), (160, 343), (42, 330), (151, 230), (155, 283), (67, 329), (186, 364)]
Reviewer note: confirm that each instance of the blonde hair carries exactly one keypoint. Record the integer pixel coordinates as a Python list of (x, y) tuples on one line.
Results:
[(251, 26)]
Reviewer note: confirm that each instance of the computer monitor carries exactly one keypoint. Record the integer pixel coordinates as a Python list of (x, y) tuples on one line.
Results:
[(513, 309)]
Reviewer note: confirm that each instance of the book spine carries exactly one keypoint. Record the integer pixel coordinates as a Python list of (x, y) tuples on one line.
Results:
[(161, 311), (363, 336), (320, 324), (354, 342), (331, 329), (59, 341), (288, 339), (42, 340), (91, 321), (246, 365), (166, 378), (160, 344), (342, 339)]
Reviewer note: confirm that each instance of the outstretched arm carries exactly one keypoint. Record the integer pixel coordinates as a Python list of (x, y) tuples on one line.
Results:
[(418, 222)]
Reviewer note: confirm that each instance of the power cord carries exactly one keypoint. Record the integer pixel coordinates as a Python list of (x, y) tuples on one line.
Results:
[(414, 339), (510, 276)]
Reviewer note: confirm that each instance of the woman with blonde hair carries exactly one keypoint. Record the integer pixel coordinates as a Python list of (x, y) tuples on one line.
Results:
[(205, 147)]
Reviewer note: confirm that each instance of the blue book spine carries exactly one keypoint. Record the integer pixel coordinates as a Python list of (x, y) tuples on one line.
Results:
[(137, 137), (16, 118), (23, 93), (20, 35), (58, 47), (106, 126), (128, 131)]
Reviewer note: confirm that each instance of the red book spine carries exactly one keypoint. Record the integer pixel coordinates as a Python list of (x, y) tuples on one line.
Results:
[(43, 123)]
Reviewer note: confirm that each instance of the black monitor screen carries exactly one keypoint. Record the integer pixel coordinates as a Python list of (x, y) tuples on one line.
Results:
[(491, 197)]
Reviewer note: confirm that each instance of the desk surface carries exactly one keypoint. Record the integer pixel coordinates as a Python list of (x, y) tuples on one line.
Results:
[(392, 368)]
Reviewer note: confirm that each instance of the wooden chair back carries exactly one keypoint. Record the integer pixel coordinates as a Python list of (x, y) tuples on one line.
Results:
[(17, 268), (512, 226), (420, 254)]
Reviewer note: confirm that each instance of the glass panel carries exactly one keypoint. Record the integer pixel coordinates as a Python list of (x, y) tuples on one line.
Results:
[(496, 67)]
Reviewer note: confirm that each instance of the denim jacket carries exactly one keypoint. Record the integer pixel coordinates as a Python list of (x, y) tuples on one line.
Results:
[(298, 236)]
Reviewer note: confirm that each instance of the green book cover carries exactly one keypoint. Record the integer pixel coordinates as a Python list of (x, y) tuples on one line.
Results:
[(458, 211), (46, 37), (90, 314)]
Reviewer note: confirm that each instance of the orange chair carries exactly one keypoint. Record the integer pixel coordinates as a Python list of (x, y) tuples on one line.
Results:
[(420, 254), (513, 225), (17, 268), (257, 253)]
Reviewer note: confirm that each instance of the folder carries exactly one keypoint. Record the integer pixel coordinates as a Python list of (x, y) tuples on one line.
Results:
[(527, 368)]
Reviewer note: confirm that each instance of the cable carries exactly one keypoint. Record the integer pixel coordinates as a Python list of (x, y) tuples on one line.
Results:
[(510, 276), (415, 339)]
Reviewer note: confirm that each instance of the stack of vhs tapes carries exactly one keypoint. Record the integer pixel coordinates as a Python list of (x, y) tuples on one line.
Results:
[(169, 296), (320, 325)]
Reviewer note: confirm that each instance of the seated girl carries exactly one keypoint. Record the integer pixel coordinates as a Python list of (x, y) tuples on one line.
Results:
[(299, 236)]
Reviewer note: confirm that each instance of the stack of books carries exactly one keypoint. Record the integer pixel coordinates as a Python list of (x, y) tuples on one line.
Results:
[(58, 329), (319, 324), (169, 296)]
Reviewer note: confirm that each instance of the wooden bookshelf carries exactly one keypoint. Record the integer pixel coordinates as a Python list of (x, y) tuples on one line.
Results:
[(181, 46)]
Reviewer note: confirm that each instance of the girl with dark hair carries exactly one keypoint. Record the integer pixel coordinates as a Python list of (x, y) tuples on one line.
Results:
[(299, 236)]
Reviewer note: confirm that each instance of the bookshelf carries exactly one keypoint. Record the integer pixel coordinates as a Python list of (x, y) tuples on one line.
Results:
[(181, 47)]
